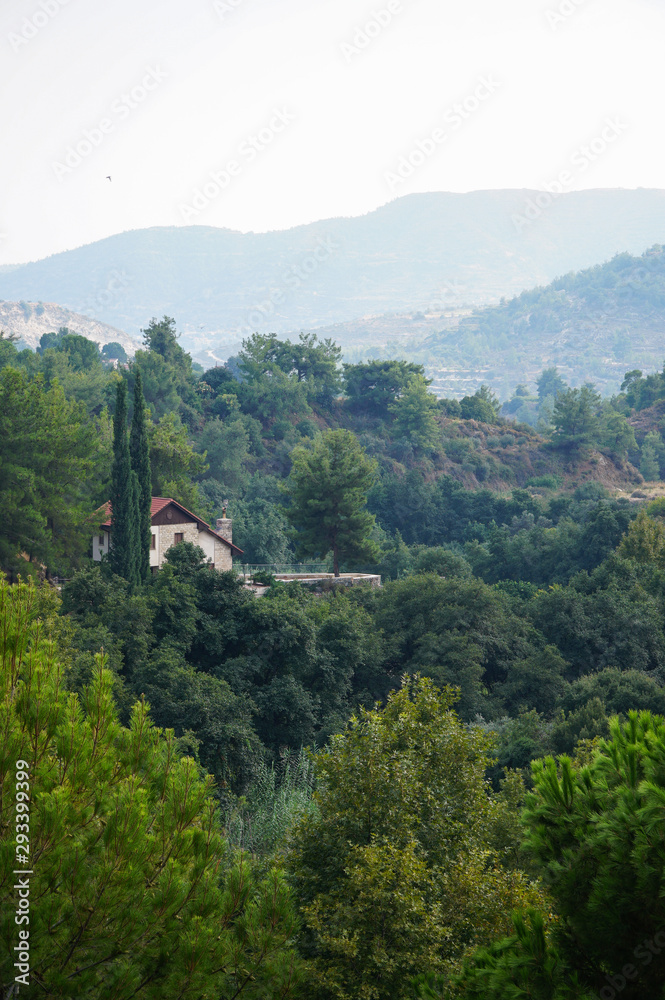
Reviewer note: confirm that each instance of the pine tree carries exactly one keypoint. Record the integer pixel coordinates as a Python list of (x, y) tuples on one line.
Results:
[(327, 488), (121, 555), (140, 461)]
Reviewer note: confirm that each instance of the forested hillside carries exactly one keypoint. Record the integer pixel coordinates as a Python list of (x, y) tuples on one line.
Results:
[(593, 324), (319, 794)]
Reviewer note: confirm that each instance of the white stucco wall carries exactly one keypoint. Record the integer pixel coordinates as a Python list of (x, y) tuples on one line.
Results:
[(207, 543), (98, 550)]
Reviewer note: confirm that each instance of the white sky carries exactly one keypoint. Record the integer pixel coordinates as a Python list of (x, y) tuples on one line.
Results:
[(223, 67)]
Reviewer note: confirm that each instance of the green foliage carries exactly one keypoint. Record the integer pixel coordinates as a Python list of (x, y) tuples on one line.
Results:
[(139, 452), (133, 887), (414, 412), (278, 795), (392, 867), (124, 497), (535, 682), (226, 446), (524, 966), (174, 463), (82, 353), (47, 453), (551, 384), (456, 631), (260, 529), (53, 340), (652, 455), (114, 352), (594, 832), (161, 338), (373, 386), (327, 488), (576, 417), (483, 406)]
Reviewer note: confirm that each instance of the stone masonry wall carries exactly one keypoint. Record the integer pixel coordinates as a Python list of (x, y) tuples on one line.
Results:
[(223, 557), (188, 530)]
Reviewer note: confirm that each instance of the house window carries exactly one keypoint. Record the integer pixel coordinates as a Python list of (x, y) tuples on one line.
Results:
[(178, 537), (101, 540), (153, 541)]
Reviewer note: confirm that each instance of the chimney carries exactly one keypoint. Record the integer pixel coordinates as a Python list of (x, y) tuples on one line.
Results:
[(225, 525)]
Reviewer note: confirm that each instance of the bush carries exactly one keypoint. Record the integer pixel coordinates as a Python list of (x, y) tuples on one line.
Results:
[(549, 481)]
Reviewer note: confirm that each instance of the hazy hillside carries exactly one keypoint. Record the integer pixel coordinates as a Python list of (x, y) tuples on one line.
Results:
[(422, 252), (593, 325), (29, 320)]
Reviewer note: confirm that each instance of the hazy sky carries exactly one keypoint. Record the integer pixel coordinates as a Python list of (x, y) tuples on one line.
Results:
[(280, 112)]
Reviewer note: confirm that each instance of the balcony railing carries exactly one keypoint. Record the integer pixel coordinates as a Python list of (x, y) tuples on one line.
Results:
[(247, 569)]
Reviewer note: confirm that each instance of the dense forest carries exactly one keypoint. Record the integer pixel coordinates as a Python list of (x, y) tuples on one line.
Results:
[(446, 787)]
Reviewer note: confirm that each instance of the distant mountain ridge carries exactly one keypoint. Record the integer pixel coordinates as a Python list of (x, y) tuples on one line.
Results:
[(419, 252)]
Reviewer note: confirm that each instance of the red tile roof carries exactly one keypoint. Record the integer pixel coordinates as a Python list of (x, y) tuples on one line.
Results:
[(159, 503)]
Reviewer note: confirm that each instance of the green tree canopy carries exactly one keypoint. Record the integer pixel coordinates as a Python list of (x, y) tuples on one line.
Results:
[(174, 463), (139, 451), (484, 405), (596, 833), (114, 351), (327, 488), (414, 412), (550, 383), (576, 417), (47, 452), (393, 869), (123, 529), (372, 386)]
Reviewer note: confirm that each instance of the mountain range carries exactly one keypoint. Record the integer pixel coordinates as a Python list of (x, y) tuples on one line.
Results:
[(440, 253)]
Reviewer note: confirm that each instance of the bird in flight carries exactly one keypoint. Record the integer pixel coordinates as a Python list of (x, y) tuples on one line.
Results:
[(108, 177)]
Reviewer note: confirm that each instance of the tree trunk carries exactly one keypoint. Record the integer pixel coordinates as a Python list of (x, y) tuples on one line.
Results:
[(335, 561)]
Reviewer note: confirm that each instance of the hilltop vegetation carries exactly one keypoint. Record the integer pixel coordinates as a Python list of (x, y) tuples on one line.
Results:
[(228, 433)]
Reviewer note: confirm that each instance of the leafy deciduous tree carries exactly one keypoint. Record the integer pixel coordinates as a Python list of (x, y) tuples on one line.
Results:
[(393, 869)]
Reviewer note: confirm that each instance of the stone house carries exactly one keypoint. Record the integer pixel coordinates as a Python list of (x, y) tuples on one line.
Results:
[(172, 523)]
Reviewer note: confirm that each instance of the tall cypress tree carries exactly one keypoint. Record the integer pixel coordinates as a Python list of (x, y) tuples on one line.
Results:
[(135, 564), (140, 459), (121, 555)]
